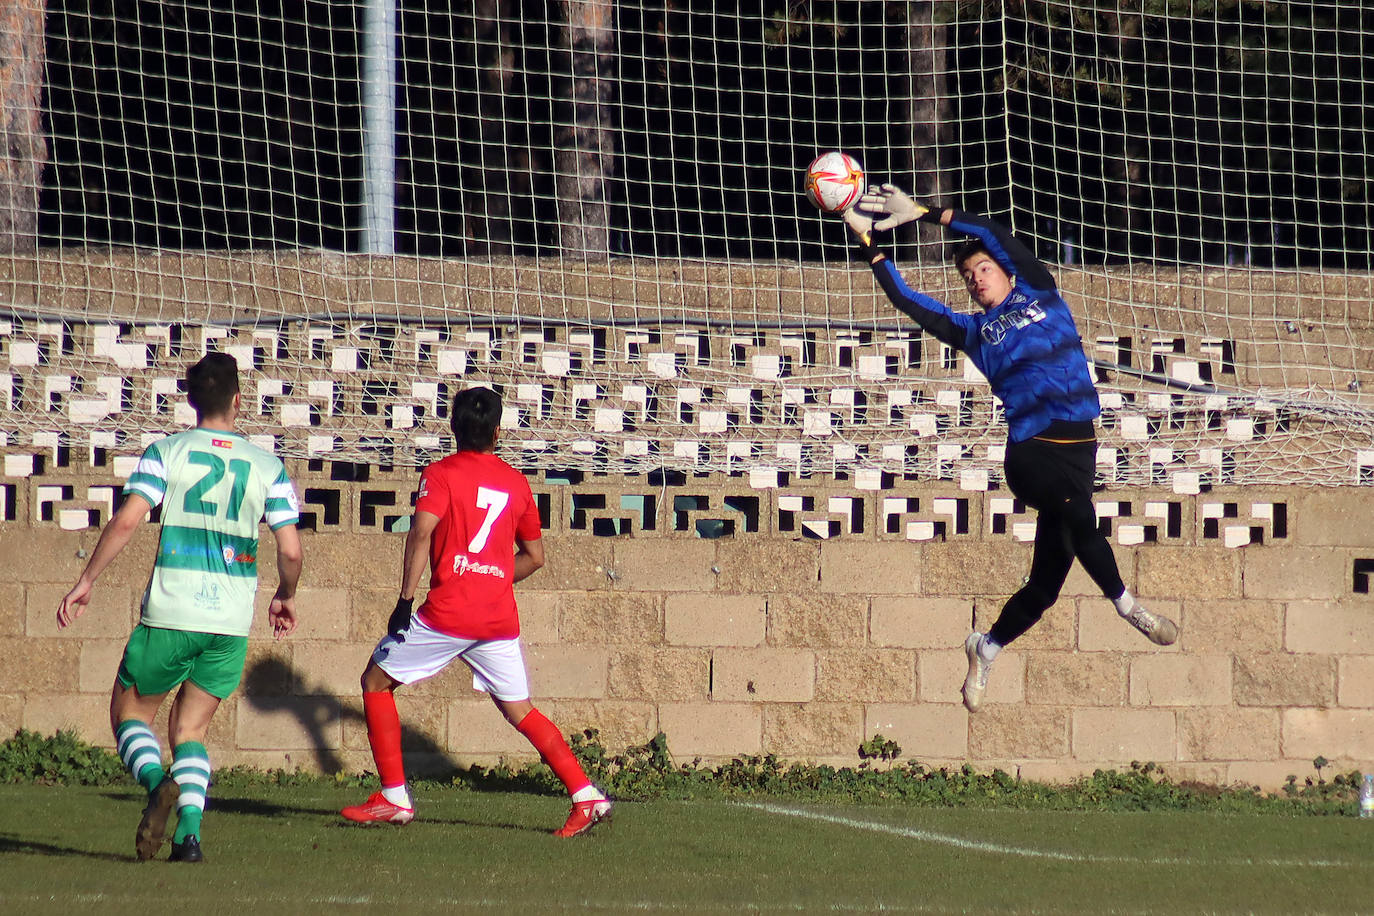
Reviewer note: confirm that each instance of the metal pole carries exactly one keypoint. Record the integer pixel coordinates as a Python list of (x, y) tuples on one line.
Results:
[(379, 127)]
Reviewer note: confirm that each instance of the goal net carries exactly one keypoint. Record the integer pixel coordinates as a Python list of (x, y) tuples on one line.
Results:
[(596, 207)]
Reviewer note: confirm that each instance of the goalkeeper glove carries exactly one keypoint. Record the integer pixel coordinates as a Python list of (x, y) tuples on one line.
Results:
[(894, 202), (400, 618)]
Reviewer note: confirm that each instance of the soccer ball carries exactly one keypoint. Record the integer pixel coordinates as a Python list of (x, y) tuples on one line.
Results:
[(834, 181)]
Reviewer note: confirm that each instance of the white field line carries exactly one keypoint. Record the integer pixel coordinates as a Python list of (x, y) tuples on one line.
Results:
[(1003, 849)]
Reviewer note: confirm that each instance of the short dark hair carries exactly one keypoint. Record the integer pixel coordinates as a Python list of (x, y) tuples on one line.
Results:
[(212, 383), (475, 416), (966, 251)]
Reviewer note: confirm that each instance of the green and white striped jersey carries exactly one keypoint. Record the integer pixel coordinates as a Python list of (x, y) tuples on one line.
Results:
[(214, 487)]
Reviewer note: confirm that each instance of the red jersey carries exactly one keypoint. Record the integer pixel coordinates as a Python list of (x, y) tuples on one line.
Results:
[(483, 505)]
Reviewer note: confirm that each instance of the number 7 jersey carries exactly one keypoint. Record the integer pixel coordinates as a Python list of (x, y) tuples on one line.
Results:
[(214, 487), (484, 505)]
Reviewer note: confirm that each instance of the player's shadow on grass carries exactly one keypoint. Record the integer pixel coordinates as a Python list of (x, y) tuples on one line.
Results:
[(271, 685), (11, 844)]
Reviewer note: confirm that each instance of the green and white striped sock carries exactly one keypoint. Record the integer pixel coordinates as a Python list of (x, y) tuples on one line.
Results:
[(138, 748), (191, 770)]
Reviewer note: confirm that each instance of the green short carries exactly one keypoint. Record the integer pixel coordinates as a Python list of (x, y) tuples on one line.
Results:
[(157, 660)]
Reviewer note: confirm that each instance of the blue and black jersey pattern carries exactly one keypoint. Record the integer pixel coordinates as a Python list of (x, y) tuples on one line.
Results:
[(1028, 346)]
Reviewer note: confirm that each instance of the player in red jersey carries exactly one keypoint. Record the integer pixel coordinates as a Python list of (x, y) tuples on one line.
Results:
[(477, 527)]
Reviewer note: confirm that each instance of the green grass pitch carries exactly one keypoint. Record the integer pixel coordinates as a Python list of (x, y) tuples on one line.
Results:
[(281, 849)]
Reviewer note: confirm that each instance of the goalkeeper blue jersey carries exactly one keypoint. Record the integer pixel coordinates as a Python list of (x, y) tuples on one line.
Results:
[(1027, 346)]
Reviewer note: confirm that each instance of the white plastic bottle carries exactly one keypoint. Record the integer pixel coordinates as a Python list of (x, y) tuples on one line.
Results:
[(1367, 796)]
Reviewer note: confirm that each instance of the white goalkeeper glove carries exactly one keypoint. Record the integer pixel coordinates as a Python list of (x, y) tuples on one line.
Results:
[(892, 201)]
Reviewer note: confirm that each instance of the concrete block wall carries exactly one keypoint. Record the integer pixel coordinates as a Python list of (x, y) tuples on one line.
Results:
[(769, 642)]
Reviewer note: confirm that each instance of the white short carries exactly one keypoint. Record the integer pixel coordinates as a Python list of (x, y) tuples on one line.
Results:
[(498, 667)]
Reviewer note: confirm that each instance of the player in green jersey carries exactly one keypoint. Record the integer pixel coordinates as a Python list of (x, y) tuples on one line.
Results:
[(213, 487)]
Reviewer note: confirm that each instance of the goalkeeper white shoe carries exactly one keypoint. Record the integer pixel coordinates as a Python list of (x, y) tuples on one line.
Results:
[(1159, 629), (976, 681)]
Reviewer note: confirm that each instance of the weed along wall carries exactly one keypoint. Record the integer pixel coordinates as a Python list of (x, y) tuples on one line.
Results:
[(765, 640)]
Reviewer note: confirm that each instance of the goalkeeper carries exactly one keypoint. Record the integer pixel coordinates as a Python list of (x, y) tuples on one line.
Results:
[(1025, 342)]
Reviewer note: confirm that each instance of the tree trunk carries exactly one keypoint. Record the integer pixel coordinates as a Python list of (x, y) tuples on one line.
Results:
[(928, 115), (584, 140), (488, 229), (23, 148)]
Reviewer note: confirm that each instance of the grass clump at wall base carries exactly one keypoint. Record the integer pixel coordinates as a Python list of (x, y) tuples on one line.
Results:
[(62, 759), (648, 772)]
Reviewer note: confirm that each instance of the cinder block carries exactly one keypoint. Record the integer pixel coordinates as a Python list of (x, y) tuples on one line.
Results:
[(812, 730), (918, 622), (538, 616), (574, 563), (1332, 516), (369, 609), (759, 566), (763, 675), (866, 675), (817, 621), (940, 677), (1018, 732), (323, 613), (100, 660), (1206, 773), (1324, 626), (1309, 733), (1188, 572), (620, 723), (661, 674), (110, 615), (923, 730), (45, 555), (1180, 680), (1268, 775), (477, 727), (567, 671), (328, 668), (11, 714), (39, 665), (1228, 733), (1297, 572), (86, 714), (973, 568), (664, 564), (611, 619), (298, 724), (1356, 681), (870, 567), (13, 611), (1278, 679), (711, 729), (699, 619), (269, 670), (1074, 678), (1102, 629), (1124, 735), (1213, 626)]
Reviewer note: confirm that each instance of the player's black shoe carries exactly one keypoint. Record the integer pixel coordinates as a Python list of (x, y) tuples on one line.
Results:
[(188, 850)]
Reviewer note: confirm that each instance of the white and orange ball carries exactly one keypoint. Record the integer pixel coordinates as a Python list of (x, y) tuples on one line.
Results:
[(834, 181)]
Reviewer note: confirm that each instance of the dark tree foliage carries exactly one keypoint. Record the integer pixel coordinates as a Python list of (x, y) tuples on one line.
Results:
[(1144, 130)]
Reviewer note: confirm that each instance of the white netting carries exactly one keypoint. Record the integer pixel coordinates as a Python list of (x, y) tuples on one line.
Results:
[(597, 208)]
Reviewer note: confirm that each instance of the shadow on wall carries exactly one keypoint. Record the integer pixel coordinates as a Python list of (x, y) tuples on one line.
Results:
[(272, 686)]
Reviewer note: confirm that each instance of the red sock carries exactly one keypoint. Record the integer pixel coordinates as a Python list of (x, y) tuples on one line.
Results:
[(548, 741), (384, 734)]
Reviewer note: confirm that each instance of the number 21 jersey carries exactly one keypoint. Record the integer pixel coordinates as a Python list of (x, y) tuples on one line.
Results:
[(484, 505), (214, 487)]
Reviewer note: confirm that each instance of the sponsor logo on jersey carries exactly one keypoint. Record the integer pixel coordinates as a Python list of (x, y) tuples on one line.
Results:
[(230, 557), (995, 331), (424, 489), (462, 564), (222, 443), (208, 596)]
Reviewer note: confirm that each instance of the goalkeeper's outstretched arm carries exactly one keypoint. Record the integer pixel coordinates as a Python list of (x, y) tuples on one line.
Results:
[(934, 317)]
